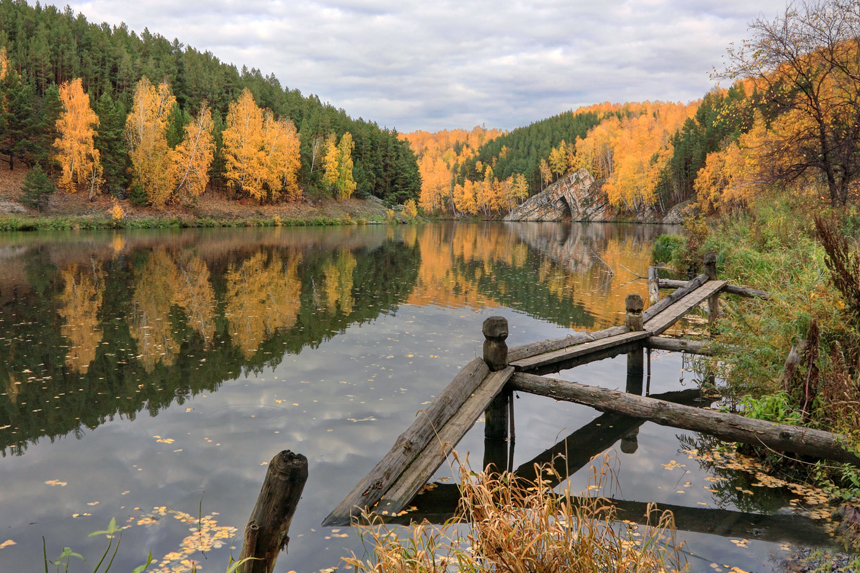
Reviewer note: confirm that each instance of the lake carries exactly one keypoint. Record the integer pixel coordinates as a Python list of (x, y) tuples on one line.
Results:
[(150, 377)]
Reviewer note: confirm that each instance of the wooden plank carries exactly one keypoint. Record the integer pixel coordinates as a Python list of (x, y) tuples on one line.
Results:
[(739, 290), (728, 427), (543, 346), (688, 287), (565, 354), (413, 479), (411, 443), (671, 315)]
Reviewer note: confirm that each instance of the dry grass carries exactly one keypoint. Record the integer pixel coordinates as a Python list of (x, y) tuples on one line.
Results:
[(516, 526)]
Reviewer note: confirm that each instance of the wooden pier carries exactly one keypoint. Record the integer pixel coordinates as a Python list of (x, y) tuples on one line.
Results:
[(485, 386)]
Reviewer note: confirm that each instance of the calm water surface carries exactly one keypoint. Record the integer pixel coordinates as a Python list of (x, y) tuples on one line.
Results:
[(147, 375)]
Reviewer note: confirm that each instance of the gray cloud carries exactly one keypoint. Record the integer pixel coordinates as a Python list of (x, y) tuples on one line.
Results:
[(432, 65)]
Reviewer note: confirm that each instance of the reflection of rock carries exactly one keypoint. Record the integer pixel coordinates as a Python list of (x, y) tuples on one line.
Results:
[(575, 196)]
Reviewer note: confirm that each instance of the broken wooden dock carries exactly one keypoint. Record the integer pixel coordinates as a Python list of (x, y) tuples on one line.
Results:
[(485, 385)]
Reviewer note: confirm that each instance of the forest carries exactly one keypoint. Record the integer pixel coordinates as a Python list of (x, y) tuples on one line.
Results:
[(100, 108)]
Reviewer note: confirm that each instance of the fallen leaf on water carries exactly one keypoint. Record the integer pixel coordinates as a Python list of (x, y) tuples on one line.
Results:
[(93, 503), (53, 482), (7, 543)]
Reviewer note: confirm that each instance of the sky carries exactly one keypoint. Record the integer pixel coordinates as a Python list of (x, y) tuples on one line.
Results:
[(432, 65)]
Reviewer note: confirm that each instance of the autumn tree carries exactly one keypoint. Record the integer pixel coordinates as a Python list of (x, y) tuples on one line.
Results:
[(261, 152), (338, 165), (807, 62), (146, 137), (192, 158), (76, 151)]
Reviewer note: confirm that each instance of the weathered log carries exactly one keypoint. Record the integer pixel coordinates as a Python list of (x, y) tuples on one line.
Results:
[(495, 332), (653, 288), (543, 346), (671, 315), (727, 427), (422, 469), (411, 443), (688, 287), (566, 354), (267, 532), (702, 347), (746, 291)]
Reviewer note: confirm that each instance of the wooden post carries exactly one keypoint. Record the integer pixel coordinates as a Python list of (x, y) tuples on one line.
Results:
[(653, 286), (495, 331), (269, 525), (713, 301), (634, 305)]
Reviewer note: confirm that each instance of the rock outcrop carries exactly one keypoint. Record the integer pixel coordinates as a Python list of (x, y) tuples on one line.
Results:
[(575, 196)]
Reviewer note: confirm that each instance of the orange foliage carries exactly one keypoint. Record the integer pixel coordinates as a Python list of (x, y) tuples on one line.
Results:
[(630, 152), (154, 289), (192, 158), (79, 304), (4, 63), (262, 153), (76, 152), (438, 161), (146, 134)]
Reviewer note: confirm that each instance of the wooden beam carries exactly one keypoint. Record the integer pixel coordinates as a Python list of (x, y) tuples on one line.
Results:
[(414, 478), (566, 354), (688, 287), (702, 347), (653, 288), (727, 427), (739, 290), (411, 443), (550, 345), (662, 322)]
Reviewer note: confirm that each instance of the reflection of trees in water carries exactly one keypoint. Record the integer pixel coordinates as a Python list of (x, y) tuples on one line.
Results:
[(168, 308), (262, 297), (79, 305)]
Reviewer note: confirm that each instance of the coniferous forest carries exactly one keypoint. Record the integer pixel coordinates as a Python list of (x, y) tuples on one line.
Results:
[(52, 60)]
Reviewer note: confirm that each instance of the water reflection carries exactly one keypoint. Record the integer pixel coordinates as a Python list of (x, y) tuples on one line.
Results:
[(99, 325)]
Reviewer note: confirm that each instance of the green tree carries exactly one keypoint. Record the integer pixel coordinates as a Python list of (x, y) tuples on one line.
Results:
[(37, 188)]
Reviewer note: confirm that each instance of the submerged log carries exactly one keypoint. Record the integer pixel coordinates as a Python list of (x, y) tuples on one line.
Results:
[(727, 427), (702, 347), (267, 532)]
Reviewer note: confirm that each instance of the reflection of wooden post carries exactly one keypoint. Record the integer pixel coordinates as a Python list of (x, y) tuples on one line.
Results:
[(713, 300), (634, 304), (630, 441), (496, 455), (635, 371), (267, 531), (496, 356), (653, 286)]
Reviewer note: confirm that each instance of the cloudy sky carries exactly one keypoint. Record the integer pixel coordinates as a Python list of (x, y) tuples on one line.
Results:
[(419, 64)]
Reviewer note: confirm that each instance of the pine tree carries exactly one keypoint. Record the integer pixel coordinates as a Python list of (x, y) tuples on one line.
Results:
[(37, 188), (110, 143)]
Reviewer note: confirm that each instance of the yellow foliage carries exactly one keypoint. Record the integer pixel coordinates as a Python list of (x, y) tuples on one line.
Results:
[(338, 165), (261, 153), (195, 295), (149, 325), (146, 135), (338, 283), (76, 152), (191, 159), (263, 296), (4, 63), (410, 209), (117, 213), (440, 155), (630, 152), (79, 306)]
